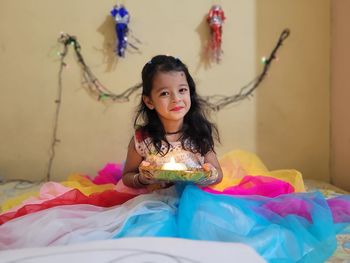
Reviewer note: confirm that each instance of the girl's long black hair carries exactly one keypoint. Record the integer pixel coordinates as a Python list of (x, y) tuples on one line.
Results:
[(198, 132)]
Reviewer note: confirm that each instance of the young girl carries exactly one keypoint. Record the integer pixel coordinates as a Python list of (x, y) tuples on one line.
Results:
[(173, 124)]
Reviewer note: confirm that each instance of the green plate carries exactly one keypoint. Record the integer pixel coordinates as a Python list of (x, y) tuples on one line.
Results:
[(193, 175)]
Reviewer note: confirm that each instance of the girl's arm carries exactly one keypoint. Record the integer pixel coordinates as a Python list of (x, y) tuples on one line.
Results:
[(131, 176), (212, 164)]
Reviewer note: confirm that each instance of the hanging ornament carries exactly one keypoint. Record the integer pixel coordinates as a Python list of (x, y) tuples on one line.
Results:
[(215, 20), (121, 17)]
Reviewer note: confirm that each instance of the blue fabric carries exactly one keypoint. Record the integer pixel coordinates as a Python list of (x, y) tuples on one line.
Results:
[(152, 219), (287, 228)]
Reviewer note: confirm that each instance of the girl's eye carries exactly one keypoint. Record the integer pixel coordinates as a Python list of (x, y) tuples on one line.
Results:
[(164, 93), (183, 90)]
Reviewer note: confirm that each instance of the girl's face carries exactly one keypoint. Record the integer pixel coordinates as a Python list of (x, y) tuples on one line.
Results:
[(170, 97)]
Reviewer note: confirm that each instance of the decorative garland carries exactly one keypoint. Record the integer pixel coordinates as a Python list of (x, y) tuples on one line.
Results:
[(218, 102), (214, 102), (94, 85)]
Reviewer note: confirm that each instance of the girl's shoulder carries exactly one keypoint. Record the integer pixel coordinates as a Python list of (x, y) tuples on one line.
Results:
[(141, 134), (141, 139)]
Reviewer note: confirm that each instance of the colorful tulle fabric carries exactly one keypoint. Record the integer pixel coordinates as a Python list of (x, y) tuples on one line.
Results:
[(85, 185), (47, 192), (51, 190), (256, 185), (238, 163), (288, 228), (110, 174), (263, 209), (68, 224), (15, 202), (107, 198)]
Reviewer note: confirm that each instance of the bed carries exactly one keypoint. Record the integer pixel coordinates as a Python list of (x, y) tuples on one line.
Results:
[(342, 253), (160, 249), (126, 248), (134, 250)]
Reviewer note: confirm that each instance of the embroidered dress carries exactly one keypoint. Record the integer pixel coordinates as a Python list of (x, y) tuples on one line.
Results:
[(147, 150)]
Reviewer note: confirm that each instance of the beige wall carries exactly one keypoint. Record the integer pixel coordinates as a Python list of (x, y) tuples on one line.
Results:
[(340, 107), (286, 123), (293, 103)]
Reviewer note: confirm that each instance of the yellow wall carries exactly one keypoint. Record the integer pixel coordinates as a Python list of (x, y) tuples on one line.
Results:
[(340, 107), (292, 107), (286, 123)]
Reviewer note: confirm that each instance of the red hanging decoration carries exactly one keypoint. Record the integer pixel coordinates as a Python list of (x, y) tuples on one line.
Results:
[(215, 20)]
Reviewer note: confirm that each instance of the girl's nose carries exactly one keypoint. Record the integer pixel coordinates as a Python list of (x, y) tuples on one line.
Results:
[(175, 97)]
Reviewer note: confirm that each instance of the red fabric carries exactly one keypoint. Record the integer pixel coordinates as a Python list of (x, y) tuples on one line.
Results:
[(107, 198)]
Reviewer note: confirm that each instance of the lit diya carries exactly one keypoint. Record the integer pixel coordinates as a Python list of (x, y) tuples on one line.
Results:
[(173, 171)]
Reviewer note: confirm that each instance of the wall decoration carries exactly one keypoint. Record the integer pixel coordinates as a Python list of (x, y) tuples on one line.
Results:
[(215, 19), (122, 18)]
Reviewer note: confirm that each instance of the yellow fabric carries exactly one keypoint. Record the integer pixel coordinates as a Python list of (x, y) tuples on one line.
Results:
[(86, 186), (238, 163), (16, 201), (291, 176)]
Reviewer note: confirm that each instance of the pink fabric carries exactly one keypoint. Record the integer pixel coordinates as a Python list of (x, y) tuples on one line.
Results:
[(122, 188), (256, 185), (291, 206), (110, 174), (340, 207)]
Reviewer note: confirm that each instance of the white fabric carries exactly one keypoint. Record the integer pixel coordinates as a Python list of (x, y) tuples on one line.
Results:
[(69, 224), (134, 250)]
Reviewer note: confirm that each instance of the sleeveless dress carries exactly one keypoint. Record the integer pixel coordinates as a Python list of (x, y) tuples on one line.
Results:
[(147, 150)]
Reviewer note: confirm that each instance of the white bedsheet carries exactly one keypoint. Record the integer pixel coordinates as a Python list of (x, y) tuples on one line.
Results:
[(134, 250)]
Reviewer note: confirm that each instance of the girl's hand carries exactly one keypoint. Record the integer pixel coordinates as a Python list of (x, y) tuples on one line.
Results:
[(146, 177), (213, 177)]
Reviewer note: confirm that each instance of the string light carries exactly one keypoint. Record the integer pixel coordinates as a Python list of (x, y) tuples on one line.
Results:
[(215, 102), (218, 102)]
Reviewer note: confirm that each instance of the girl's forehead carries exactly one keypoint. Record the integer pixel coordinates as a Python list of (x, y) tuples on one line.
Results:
[(169, 76)]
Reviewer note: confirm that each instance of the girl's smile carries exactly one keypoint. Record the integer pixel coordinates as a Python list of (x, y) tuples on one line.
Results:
[(177, 109)]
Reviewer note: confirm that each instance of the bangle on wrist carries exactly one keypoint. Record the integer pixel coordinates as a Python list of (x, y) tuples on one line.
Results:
[(142, 183), (137, 182), (214, 172)]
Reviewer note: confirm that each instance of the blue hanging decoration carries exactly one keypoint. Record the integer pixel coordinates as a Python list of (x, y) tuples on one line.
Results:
[(121, 17)]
